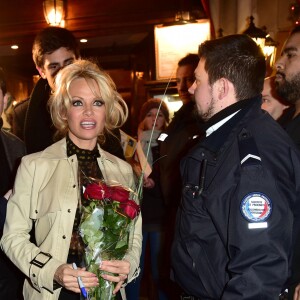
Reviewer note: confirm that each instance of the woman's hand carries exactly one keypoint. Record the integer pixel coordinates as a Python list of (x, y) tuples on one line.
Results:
[(66, 276), (119, 267)]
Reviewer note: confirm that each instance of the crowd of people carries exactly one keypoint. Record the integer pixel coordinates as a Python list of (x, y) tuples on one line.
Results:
[(219, 209)]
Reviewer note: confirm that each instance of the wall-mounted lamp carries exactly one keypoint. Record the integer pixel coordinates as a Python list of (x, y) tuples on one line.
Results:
[(54, 12), (220, 33), (257, 34), (264, 40), (270, 49)]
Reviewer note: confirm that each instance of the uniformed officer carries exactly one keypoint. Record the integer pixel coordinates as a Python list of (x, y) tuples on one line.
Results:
[(236, 223)]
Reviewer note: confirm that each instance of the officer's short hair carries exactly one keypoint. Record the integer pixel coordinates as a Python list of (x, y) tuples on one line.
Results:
[(237, 58)]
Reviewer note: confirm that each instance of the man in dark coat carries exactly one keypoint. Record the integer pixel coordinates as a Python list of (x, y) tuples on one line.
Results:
[(175, 142), (179, 135), (11, 151), (238, 218)]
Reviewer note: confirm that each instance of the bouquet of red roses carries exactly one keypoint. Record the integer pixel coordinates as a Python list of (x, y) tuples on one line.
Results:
[(106, 226)]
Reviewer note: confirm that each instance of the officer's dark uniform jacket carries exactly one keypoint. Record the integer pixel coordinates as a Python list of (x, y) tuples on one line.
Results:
[(214, 254)]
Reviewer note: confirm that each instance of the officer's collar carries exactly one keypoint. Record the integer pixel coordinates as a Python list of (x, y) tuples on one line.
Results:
[(224, 113), (218, 138), (216, 126)]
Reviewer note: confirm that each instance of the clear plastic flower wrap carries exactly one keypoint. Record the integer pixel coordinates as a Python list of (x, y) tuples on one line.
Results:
[(106, 228)]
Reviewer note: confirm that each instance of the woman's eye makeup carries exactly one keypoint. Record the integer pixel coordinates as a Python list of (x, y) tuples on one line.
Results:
[(76, 103), (98, 102)]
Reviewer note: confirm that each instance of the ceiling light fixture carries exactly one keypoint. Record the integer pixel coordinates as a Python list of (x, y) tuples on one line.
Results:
[(54, 12), (184, 17), (174, 40)]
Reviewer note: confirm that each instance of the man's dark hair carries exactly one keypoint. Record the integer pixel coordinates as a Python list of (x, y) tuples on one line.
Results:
[(49, 40), (2, 82), (237, 58), (190, 59)]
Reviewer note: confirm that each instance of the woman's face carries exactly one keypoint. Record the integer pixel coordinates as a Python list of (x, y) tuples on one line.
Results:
[(86, 115), (150, 119)]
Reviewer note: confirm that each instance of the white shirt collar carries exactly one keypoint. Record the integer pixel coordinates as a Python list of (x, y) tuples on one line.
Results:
[(216, 126)]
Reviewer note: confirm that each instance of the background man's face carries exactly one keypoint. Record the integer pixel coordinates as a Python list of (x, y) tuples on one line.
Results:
[(288, 70), (54, 62), (185, 78), (271, 101)]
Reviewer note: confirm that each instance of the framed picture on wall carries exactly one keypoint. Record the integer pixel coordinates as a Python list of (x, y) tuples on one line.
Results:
[(176, 41)]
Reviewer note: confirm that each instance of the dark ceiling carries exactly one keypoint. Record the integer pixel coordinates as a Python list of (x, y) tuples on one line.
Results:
[(115, 29)]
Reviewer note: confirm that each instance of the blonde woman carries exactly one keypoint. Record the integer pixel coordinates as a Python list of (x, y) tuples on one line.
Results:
[(47, 189)]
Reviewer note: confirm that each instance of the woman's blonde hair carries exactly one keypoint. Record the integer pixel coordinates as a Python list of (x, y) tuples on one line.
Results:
[(115, 107)]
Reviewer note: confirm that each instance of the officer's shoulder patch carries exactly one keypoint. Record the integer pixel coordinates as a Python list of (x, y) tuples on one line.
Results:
[(256, 207)]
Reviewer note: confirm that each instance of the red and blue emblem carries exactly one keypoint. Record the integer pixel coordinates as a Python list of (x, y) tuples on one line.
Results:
[(256, 207)]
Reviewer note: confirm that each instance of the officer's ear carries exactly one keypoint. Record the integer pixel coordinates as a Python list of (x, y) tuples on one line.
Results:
[(222, 86)]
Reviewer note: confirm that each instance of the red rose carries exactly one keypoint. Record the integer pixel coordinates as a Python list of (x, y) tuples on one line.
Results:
[(102, 191), (130, 208), (95, 191), (118, 193)]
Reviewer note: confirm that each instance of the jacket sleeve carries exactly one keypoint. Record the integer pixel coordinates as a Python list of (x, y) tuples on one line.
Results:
[(259, 235), (15, 241), (3, 205)]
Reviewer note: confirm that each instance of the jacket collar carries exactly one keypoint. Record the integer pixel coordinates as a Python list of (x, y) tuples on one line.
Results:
[(218, 139), (59, 151)]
